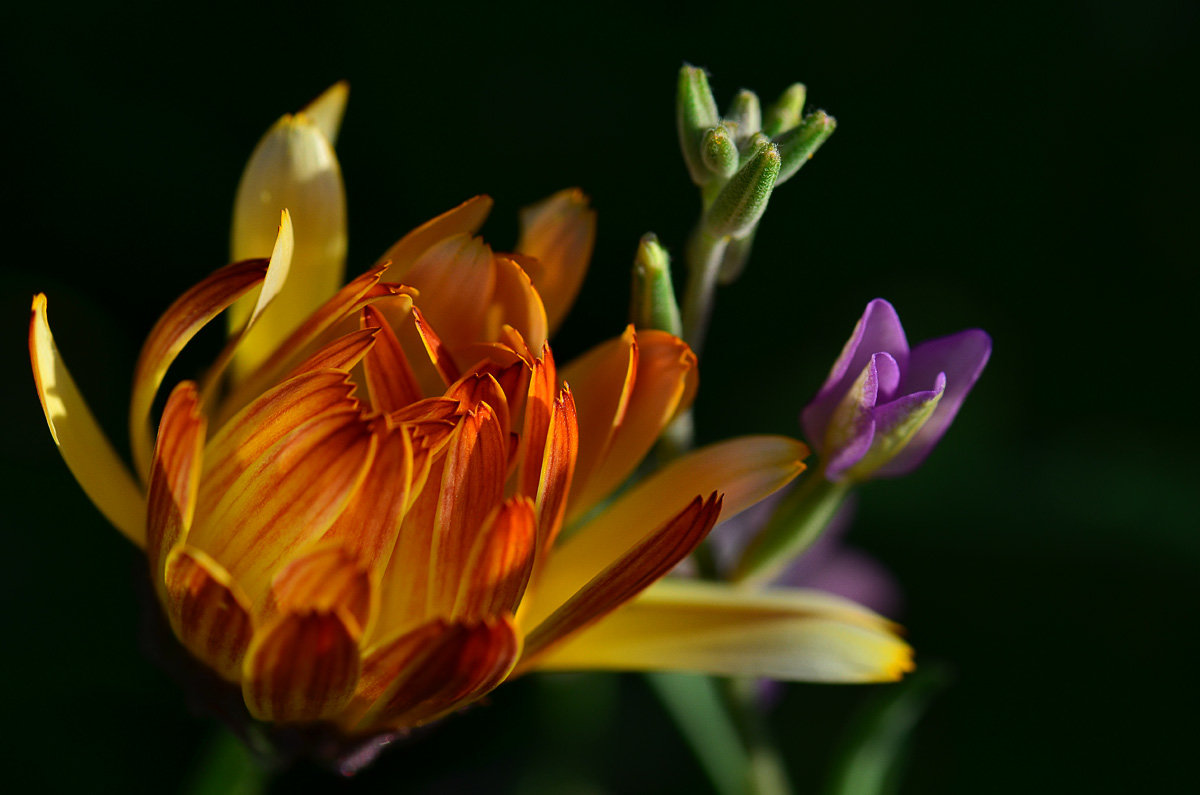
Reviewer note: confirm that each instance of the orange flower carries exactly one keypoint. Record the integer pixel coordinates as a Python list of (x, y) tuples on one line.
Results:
[(357, 513)]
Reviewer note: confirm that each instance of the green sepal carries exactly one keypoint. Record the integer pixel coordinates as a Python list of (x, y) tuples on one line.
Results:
[(695, 114), (652, 298), (784, 114), (745, 113), (796, 524), (719, 153), (797, 145), (742, 201)]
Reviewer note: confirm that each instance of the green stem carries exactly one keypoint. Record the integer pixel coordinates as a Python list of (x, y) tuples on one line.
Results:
[(764, 770), (704, 255), (226, 767), (796, 523)]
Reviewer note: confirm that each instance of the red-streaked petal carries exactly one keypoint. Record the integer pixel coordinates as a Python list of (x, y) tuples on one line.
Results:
[(472, 486), (602, 380), (303, 668), (325, 579), (437, 352), (288, 496), (174, 477), (369, 525), (665, 384), (625, 577), (390, 378), (208, 611), (559, 233), (558, 467), (84, 447), (189, 313), (745, 470), (539, 406), (342, 354), (477, 387), (501, 562), (466, 219)]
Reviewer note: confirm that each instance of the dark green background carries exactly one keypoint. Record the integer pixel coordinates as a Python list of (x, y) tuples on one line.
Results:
[(1028, 168)]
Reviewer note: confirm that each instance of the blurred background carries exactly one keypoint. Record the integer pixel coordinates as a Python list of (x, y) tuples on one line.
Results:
[(1029, 168)]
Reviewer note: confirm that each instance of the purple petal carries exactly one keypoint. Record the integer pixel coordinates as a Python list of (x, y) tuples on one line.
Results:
[(849, 443), (961, 358), (878, 330)]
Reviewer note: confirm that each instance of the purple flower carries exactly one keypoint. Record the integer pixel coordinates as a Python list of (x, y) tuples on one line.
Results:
[(883, 408)]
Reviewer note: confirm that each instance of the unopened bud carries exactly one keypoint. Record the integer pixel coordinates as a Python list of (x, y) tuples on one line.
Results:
[(695, 114), (742, 201), (797, 145), (746, 113), (652, 301), (719, 153), (785, 113)]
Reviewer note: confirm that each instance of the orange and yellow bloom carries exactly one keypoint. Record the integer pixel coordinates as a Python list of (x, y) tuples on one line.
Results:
[(386, 498)]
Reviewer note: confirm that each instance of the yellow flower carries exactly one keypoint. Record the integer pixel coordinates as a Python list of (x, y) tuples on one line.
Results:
[(356, 514)]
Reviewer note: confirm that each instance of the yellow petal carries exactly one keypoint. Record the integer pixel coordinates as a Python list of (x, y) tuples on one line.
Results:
[(715, 628), (87, 452), (559, 233), (303, 668), (745, 470), (326, 111), (465, 219), (623, 578), (293, 168)]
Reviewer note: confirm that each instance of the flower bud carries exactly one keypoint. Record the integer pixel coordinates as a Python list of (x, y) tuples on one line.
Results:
[(734, 260), (719, 153), (652, 300), (743, 200), (785, 113), (746, 113), (797, 145), (695, 114)]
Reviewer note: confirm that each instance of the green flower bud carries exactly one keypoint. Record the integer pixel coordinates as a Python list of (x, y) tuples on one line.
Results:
[(746, 113), (719, 153), (739, 205), (695, 114), (652, 301), (785, 113), (797, 145)]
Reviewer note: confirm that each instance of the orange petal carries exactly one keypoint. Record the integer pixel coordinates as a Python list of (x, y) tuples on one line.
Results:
[(325, 579), (437, 352), (472, 486), (390, 378), (208, 611), (178, 325), (288, 496), (174, 477), (303, 668), (83, 445), (558, 467), (455, 277), (466, 219), (347, 301), (539, 406), (501, 562), (387, 663), (342, 354), (559, 232), (625, 577), (368, 527), (516, 303), (459, 665), (602, 381), (665, 383), (476, 388)]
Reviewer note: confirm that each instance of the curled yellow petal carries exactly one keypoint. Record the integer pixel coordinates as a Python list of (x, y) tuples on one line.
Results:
[(84, 447), (293, 168)]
